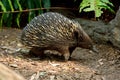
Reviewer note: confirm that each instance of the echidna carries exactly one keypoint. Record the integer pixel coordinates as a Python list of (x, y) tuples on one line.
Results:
[(53, 31)]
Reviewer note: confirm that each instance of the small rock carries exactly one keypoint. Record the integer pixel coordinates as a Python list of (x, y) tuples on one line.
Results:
[(6, 37), (13, 65), (52, 77), (42, 73)]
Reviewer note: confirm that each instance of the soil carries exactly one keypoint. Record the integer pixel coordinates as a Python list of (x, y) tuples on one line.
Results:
[(83, 65)]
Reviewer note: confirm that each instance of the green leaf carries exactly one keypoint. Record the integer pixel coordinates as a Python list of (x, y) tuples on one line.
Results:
[(15, 5), (4, 10), (6, 4), (88, 9), (18, 19), (46, 4), (84, 4), (11, 6), (38, 5), (1, 21), (96, 6), (19, 14), (18, 3), (107, 2), (7, 18), (2, 6), (98, 12), (31, 6)]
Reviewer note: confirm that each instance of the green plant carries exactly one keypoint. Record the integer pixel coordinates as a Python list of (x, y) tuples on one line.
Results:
[(8, 9), (96, 6)]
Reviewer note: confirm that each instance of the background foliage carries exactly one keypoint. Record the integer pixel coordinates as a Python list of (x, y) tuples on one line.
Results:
[(96, 5), (8, 6), (13, 9)]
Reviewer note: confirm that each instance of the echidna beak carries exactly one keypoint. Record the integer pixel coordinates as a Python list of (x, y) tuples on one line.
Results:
[(94, 49)]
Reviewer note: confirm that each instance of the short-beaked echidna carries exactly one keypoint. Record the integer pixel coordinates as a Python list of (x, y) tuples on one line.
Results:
[(53, 31)]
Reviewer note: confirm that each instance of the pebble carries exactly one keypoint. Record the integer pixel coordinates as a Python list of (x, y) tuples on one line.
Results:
[(13, 65)]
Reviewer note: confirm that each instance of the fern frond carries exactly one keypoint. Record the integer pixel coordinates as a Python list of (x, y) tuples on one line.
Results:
[(96, 6)]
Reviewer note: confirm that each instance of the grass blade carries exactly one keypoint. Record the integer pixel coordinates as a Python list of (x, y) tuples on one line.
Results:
[(46, 4), (38, 5), (4, 10), (11, 6), (31, 6), (19, 14)]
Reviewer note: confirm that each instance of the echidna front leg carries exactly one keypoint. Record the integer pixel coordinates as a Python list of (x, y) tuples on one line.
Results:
[(64, 50), (66, 56)]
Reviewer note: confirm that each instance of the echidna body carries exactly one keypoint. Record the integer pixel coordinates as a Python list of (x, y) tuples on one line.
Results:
[(53, 31)]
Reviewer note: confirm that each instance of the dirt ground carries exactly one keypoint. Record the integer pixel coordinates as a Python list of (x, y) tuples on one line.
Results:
[(84, 64)]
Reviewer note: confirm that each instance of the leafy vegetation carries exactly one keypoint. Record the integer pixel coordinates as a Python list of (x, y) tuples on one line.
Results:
[(12, 10), (9, 7), (96, 5)]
